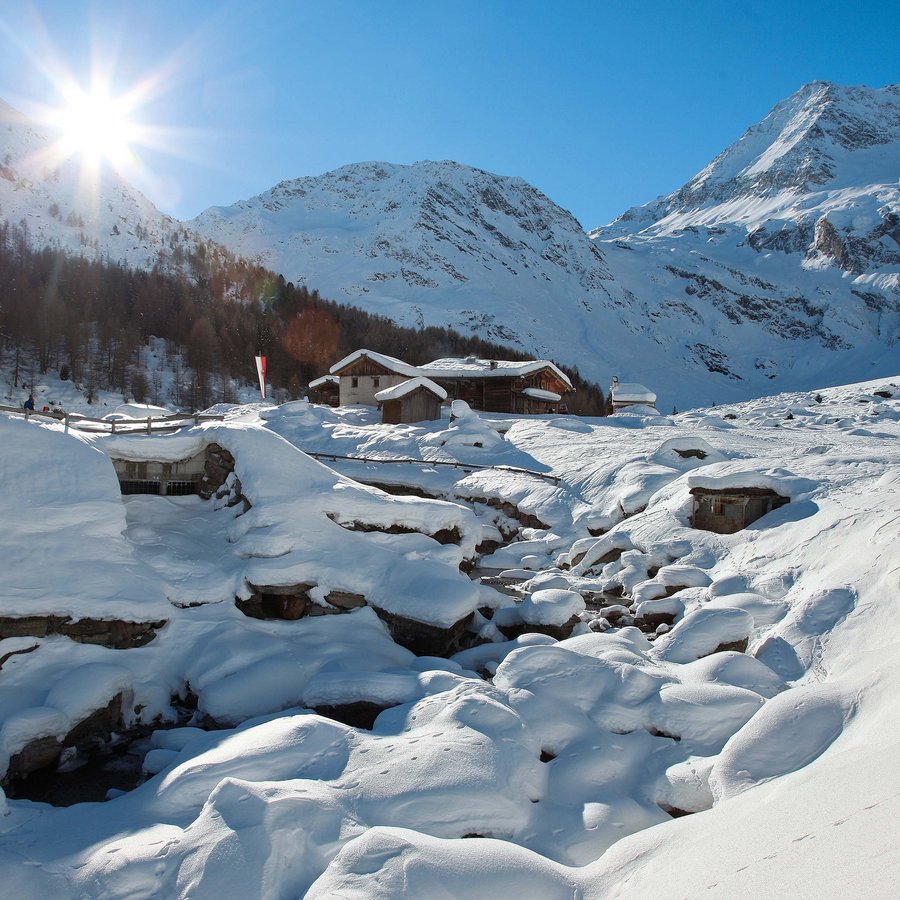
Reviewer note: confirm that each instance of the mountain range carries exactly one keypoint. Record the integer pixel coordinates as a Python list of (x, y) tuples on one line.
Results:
[(777, 267)]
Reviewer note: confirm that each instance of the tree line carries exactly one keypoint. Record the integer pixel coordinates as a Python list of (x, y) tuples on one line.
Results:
[(93, 319)]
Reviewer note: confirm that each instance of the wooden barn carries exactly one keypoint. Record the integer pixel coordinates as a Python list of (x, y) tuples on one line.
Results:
[(415, 400), (364, 373), (503, 386), (326, 390)]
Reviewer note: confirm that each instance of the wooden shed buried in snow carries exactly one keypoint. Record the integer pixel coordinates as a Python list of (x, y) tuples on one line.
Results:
[(630, 397), (729, 509), (416, 400)]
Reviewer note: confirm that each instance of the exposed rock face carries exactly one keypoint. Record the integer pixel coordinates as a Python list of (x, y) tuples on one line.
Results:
[(345, 600), (45, 750), (36, 754), (219, 478), (559, 632), (113, 633), (442, 536), (526, 520), (293, 602), (738, 646), (649, 622), (828, 242), (98, 726), (424, 639), (276, 601)]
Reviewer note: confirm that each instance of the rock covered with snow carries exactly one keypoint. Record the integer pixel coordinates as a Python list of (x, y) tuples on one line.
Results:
[(705, 631), (551, 606)]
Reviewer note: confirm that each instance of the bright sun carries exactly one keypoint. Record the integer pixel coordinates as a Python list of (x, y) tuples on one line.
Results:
[(96, 127)]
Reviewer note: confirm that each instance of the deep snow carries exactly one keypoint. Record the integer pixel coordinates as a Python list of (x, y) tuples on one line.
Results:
[(562, 771)]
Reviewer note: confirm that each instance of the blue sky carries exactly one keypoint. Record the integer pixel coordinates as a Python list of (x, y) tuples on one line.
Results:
[(601, 105)]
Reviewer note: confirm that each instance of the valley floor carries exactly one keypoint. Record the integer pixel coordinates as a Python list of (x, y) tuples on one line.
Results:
[(745, 747)]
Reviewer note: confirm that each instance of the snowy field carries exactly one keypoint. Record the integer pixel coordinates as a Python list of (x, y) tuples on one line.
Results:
[(620, 761)]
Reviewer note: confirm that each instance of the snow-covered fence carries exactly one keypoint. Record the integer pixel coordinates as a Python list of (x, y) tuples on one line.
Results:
[(115, 426), (553, 479)]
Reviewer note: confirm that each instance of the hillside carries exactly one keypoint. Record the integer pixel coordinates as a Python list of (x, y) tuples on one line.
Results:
[(783, 255)]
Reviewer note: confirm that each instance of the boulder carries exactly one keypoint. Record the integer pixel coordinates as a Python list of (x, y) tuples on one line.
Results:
[(425, 639), (703, 632), (345, 600), (650, 614), (280, 601)]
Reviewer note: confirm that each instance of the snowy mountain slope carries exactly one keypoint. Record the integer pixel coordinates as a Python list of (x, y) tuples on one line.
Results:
[(434, 242), (795, 228), (777, 267), (81, 211), (821, 142)]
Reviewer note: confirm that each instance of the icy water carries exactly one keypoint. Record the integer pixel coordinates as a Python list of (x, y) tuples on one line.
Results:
[(87, 777)]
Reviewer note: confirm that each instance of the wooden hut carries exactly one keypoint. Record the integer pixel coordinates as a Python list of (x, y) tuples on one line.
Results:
[(326, 389), (415, 400), (502, 386)]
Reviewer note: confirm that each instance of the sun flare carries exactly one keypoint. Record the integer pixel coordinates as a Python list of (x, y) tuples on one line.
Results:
[(96, 127)]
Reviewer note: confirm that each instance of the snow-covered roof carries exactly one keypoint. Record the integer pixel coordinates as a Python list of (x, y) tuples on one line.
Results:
[(735, 477), (632, 393), (489, 368), (540, 394), (456, 368), (325, 379), (388, 362), (407, 387)]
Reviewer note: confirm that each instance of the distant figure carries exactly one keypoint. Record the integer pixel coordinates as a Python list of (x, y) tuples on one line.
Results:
[(29, 403), (46, 409)]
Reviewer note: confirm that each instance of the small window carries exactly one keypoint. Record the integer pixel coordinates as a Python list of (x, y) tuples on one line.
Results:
[(354, 382), (376, 381)]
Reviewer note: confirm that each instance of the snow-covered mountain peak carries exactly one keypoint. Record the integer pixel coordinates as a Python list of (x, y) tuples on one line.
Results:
[(386, 196), (824, 137), (684, 294), (401, 238)]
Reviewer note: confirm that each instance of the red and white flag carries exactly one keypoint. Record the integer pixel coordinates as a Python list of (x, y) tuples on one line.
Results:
[(261, 372)]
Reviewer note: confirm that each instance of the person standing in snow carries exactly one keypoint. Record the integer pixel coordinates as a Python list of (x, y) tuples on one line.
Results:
[(29, 403)]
